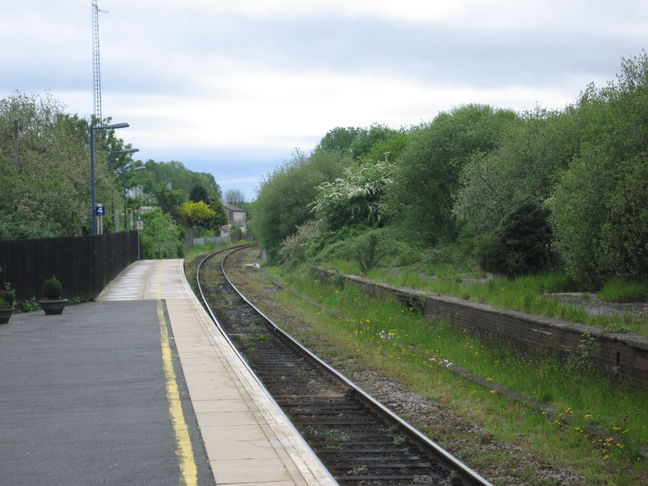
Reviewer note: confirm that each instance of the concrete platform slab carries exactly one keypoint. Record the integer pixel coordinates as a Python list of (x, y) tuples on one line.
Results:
[(82, 399), (247, 437)]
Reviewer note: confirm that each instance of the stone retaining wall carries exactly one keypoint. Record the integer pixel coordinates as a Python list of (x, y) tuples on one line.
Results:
[(622, 355)]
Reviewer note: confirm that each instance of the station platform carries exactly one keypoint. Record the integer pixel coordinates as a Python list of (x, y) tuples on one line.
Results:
[(139, 388)]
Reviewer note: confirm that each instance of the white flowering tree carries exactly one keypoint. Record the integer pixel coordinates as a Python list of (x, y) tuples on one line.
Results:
[(355, 199)]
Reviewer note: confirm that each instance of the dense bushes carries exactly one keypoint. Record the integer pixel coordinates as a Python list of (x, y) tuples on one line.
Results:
[(523, 168), (428, 174), (161, 237), (543, 189), (600, 205), (520, 246), (285, 197)]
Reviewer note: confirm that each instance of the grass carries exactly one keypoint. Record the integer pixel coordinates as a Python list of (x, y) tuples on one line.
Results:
[(379, 330), (209, 247), (525, 294), (619, 290)]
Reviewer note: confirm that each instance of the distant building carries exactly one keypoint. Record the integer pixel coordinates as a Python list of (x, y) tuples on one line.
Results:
[(235, 217), (134, 192)]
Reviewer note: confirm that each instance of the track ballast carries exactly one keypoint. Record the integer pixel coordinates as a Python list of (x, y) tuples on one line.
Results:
[(360, 441)]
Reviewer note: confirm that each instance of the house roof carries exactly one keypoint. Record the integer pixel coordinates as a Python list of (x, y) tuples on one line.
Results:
[(232, 208)]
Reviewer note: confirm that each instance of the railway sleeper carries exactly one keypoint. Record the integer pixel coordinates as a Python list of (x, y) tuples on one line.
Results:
[(294, 405), (362, 436), (366, 450), (324, 413), (426, 479), (381, 463), (300, 410), (336, 422)]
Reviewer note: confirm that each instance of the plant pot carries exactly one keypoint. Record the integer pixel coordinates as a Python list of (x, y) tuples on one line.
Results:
[(53, 307), (5, 314)]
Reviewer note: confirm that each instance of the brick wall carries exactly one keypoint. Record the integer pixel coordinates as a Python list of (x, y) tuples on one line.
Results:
[(622, 355)]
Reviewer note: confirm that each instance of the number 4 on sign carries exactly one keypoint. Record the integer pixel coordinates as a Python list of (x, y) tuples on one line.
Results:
[(100, 211)]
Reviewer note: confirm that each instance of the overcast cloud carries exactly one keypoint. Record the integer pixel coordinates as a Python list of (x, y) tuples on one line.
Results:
[(232, 87)]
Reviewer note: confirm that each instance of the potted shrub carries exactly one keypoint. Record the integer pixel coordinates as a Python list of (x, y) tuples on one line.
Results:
[(53, 303)]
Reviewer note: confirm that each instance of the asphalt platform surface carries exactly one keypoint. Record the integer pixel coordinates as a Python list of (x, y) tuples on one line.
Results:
[(83, 399)]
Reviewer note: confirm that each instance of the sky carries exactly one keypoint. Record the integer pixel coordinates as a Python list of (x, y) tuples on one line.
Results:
[(234, 87)]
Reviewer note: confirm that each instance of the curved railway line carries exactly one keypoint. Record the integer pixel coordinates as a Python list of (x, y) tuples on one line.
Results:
[(359, 440)]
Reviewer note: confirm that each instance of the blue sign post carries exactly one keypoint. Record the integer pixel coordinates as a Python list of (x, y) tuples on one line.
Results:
[(100, 212), (92, 172)]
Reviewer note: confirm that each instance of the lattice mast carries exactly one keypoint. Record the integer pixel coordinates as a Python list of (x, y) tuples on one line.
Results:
[(96, 65)]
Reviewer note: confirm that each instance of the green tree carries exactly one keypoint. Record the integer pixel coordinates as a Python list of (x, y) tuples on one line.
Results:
[(365, 139), (524, 168), (199, 193), (175, 176), (624, 233), (161, 237), (12, 227), (388, 148), (339, 139), (521, 245), (169, 200), (355, 142), (220, 217), (427, 176), (44, 170), (284, 196), (599, 207)]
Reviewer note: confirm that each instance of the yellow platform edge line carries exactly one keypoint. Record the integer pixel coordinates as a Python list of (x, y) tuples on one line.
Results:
[(184, 449)]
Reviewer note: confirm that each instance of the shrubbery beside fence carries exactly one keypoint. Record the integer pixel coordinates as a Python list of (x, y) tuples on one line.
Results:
[(84, 265)]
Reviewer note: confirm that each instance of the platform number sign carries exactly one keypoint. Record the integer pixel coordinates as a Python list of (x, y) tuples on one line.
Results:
[(100, 211)]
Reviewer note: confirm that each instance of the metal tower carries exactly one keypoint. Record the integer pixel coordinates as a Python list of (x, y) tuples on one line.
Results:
[(96, 68)]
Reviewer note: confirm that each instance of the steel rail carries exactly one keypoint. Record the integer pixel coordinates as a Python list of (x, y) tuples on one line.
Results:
[(242, 358), (465, 472)]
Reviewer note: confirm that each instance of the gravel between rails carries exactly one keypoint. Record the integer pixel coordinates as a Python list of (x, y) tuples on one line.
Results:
[(502, 463)]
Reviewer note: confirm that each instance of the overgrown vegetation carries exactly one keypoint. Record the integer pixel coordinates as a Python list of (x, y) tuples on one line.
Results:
[(618, 290), (515, 194), (161, 237), (405, 346), (520, 246)]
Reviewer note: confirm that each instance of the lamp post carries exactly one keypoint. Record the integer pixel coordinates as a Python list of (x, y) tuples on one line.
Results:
[(92, 174), (123, 171), (112, 153), (111, 159)]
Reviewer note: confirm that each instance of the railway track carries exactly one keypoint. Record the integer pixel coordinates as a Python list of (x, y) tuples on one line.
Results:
[(360, 441)]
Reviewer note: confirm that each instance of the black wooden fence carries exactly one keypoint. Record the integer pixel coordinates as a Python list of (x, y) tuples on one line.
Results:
[(84, 265)]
